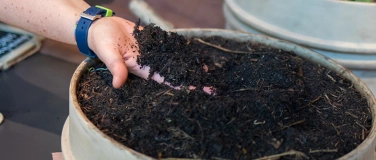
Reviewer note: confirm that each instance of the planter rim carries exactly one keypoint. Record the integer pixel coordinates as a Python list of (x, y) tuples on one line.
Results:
[(242, 36)]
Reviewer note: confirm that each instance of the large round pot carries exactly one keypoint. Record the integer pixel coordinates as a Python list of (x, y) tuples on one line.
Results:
[(81, 140), (341, 30)]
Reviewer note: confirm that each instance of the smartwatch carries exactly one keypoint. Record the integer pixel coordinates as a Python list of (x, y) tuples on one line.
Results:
[(82, 28)]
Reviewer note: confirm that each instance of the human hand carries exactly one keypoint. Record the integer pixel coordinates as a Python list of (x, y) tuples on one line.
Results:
[(112, 40)]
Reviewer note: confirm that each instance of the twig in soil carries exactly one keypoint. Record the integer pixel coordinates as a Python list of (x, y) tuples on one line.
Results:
[(120, 137), (244, 89), (328, 100), (250, 49), (102, 119), (330, 77), (258, 123), (289, 90), (342, 89), (168, 145), (162, 93), (168, 93), (323, 150), (348, 113), (335, 145), (335, 127), (333, 95), (232, 120), (365, 119), (219, 47), (293, 124), (361, 126), (315, 100), (179, 133), (299, 155), (260, 83)]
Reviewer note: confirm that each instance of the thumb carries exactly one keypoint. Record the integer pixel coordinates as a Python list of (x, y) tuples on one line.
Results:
[(115, 63)]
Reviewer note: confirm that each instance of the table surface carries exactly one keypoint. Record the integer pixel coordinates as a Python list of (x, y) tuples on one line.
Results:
[(34, 101)]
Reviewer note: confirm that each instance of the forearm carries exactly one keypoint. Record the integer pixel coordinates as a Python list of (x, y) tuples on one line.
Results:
[(55, 19)]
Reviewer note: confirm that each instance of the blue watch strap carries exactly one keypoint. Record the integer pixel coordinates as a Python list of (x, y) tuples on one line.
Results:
[(83, 25)]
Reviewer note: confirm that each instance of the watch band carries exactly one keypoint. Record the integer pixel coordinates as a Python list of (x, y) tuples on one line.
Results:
[(87, 18)]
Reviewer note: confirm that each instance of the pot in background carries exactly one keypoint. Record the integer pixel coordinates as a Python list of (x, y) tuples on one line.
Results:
[(342, 30)]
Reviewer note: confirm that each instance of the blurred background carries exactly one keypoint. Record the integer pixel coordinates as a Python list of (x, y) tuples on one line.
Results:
[(181, 13)]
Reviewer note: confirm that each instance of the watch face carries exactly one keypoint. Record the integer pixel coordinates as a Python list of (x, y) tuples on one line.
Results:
[(10, 41)]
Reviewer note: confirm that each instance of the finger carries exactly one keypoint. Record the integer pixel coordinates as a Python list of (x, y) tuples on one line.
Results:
[(115, 63)]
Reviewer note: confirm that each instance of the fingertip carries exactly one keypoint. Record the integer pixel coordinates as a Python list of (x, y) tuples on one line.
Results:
[(120, 75), (115, 63)]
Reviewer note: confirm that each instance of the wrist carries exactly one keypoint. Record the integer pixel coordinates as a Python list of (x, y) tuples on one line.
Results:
[(94, 31), (86, 21)]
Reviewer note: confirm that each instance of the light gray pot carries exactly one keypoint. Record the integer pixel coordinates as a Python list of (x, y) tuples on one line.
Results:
[(342, 30)]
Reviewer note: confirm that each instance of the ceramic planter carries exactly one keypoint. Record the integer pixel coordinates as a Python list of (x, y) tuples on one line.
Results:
[(341, 30), (81, 140)]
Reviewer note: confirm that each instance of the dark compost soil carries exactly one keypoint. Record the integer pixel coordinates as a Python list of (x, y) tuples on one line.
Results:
[(268, 102)]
